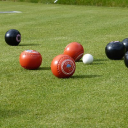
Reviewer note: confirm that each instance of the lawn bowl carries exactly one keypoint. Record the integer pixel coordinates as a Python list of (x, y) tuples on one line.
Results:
[(30, 59), (63, 66), (115, 50), (75, 50), (126, 59), (125, 42), (13, 37)]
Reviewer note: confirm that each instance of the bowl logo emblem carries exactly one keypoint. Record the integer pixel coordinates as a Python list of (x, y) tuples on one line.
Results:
[(67, 66), (18, 38)]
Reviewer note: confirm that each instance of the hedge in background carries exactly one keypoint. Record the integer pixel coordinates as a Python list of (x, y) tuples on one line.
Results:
[(120, 3)]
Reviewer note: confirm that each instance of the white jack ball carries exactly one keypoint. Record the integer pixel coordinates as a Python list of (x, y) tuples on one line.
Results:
[(87, 59)]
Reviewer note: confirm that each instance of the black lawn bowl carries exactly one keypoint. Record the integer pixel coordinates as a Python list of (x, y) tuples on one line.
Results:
[(125, 42), (13, 37), (115, 50), (126, 59)]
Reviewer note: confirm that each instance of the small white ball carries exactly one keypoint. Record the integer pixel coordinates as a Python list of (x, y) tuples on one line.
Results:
[(87, 59)]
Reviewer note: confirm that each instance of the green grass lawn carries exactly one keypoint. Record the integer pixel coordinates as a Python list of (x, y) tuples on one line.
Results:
[(96, 96)]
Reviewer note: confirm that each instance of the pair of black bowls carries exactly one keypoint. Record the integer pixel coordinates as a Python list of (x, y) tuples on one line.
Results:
[(116, 50)]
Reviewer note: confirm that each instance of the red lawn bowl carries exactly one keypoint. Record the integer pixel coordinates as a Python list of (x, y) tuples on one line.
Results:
[(75, 50), (63, 66), (30, 59)]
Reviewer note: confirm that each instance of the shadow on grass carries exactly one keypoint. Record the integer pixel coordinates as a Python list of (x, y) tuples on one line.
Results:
[(95, 60), (10, 113), (79, 61), (100, 60), (85, 76), (29, 44), (44, 68), (94, 63), (40, 68)]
